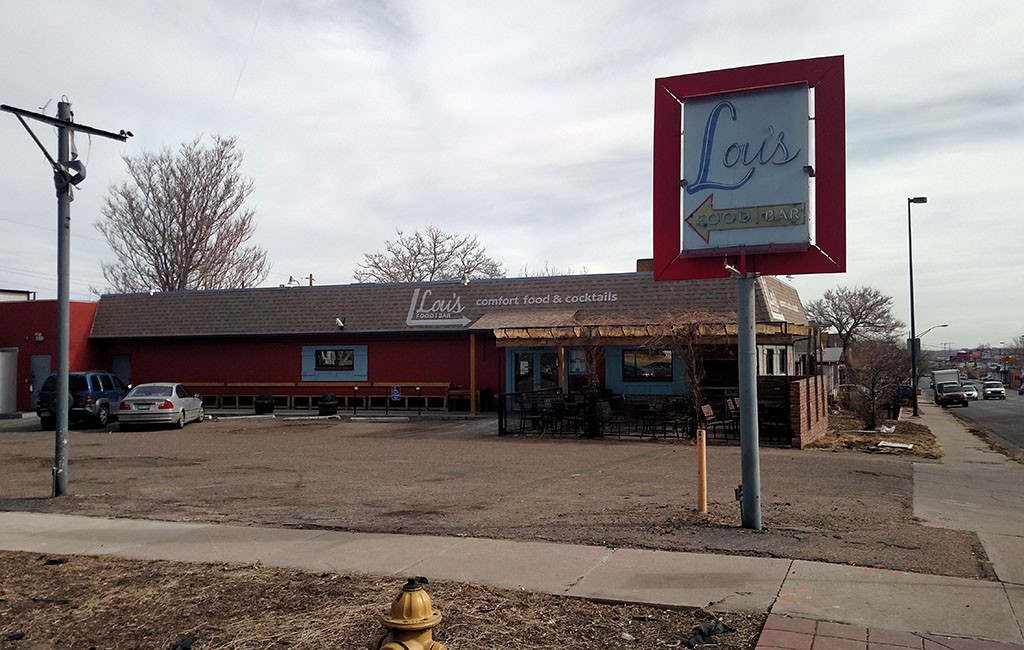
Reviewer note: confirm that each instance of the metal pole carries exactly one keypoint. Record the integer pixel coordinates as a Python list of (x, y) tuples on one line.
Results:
[(749, 458), (60, 460), (63, 182), (913, 323), (913, 331)]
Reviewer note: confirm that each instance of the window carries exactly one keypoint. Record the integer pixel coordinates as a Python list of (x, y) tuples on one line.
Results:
[(335, 359), (577, 362), (347, 363), (773, 360), (646, 364)]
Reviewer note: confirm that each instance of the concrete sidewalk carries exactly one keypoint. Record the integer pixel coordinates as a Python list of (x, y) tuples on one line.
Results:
[(862, 599)]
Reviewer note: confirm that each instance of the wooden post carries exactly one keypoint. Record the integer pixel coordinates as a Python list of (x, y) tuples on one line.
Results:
[(472, 374), (561, 369), (702, 472)]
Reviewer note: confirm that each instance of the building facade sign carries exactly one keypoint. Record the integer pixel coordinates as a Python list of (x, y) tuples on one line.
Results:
[(428, 307), (442, 309)]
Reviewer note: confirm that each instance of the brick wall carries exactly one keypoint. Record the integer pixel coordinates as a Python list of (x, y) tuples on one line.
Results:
[(808, 414)]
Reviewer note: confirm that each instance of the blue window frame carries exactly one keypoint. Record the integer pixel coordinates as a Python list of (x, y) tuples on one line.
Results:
[(334, 363)]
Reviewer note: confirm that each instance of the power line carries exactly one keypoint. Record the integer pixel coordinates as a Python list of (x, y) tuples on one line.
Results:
[(42, 275), (51, 230)]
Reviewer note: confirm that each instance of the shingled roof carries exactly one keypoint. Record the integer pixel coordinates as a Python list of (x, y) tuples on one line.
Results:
[(632, 298)]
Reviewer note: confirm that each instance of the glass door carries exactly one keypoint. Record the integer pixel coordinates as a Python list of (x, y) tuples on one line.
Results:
[(548, 367), (534, 370), (523, 371)]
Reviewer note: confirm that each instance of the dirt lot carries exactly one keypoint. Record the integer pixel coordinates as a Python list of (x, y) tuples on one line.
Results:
[(444, 477)]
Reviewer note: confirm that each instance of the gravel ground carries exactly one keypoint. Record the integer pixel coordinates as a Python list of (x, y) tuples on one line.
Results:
[(455, 477)]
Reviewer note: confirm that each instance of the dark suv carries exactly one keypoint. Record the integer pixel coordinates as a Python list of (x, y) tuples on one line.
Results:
[(948, 393), (92, 396)]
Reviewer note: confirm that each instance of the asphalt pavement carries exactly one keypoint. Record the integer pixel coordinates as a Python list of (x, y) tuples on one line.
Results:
[(811, 604)]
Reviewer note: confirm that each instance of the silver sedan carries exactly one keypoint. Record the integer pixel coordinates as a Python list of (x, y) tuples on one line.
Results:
[(160, 403)]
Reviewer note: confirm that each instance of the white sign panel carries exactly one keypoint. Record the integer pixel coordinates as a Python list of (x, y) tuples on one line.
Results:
[(745, 172)]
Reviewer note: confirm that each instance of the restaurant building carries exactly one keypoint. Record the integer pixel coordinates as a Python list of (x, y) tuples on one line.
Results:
[(436, 346)]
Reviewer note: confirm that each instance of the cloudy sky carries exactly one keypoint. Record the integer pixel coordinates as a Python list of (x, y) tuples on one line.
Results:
[(526, 123)]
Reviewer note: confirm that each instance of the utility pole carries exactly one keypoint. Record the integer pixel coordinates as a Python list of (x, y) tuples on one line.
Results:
[(63, 180)]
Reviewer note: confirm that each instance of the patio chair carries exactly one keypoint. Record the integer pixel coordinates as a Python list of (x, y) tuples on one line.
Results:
[(711, 422), (609, 420)]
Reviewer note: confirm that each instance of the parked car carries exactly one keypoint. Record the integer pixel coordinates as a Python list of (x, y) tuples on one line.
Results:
[(160, 403), (1020, 389), (993, 390), (950, 393), (971, 391), (92, 396)]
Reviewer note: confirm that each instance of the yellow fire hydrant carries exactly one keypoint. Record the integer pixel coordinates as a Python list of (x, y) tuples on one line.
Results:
[(411, 622)]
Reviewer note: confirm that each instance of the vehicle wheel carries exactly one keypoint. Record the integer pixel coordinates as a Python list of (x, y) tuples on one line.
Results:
[(48, 424), (202, 414), (181, 420), (103, 416)]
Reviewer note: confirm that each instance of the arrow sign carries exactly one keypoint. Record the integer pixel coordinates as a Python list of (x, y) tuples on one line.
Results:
[(707, 218)]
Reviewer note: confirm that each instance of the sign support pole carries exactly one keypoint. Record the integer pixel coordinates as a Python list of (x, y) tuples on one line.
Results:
[(749, 451)]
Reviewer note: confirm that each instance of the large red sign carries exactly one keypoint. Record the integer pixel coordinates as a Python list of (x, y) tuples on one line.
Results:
[(826, 250)]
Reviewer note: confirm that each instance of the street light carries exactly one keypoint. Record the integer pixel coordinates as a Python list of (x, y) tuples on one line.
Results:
[(913, 331), (915, 344), (932, 328)]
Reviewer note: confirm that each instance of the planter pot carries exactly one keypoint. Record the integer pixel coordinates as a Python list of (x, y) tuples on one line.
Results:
[(328, 405), (264, 404)]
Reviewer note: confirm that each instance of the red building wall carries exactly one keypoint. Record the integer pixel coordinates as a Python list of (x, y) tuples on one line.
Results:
[(31, 327), (274, 365), (249, 366)]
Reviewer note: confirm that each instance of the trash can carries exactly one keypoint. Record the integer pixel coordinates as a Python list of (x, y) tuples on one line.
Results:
[(328, 404), (264, 404)]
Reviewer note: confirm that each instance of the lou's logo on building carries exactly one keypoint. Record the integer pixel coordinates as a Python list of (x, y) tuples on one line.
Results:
[(427, 309)]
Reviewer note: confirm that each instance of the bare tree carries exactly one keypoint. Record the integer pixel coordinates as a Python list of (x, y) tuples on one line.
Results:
[(433, 255), (879, 368), (1017, 346), (687, 334), (548, 271), (857, 313), (181, 222)]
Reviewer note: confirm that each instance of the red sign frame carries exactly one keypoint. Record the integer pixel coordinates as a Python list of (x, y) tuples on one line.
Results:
[(828, 253)]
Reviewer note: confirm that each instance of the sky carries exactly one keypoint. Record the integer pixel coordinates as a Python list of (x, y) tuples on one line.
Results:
[(528, 124)]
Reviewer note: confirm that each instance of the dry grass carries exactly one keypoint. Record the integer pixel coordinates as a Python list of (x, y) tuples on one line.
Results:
[(95, 602), (846, 431)]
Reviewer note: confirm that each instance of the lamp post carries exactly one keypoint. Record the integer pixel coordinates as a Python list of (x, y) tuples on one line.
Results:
[(913, 331), (1002, 361)]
